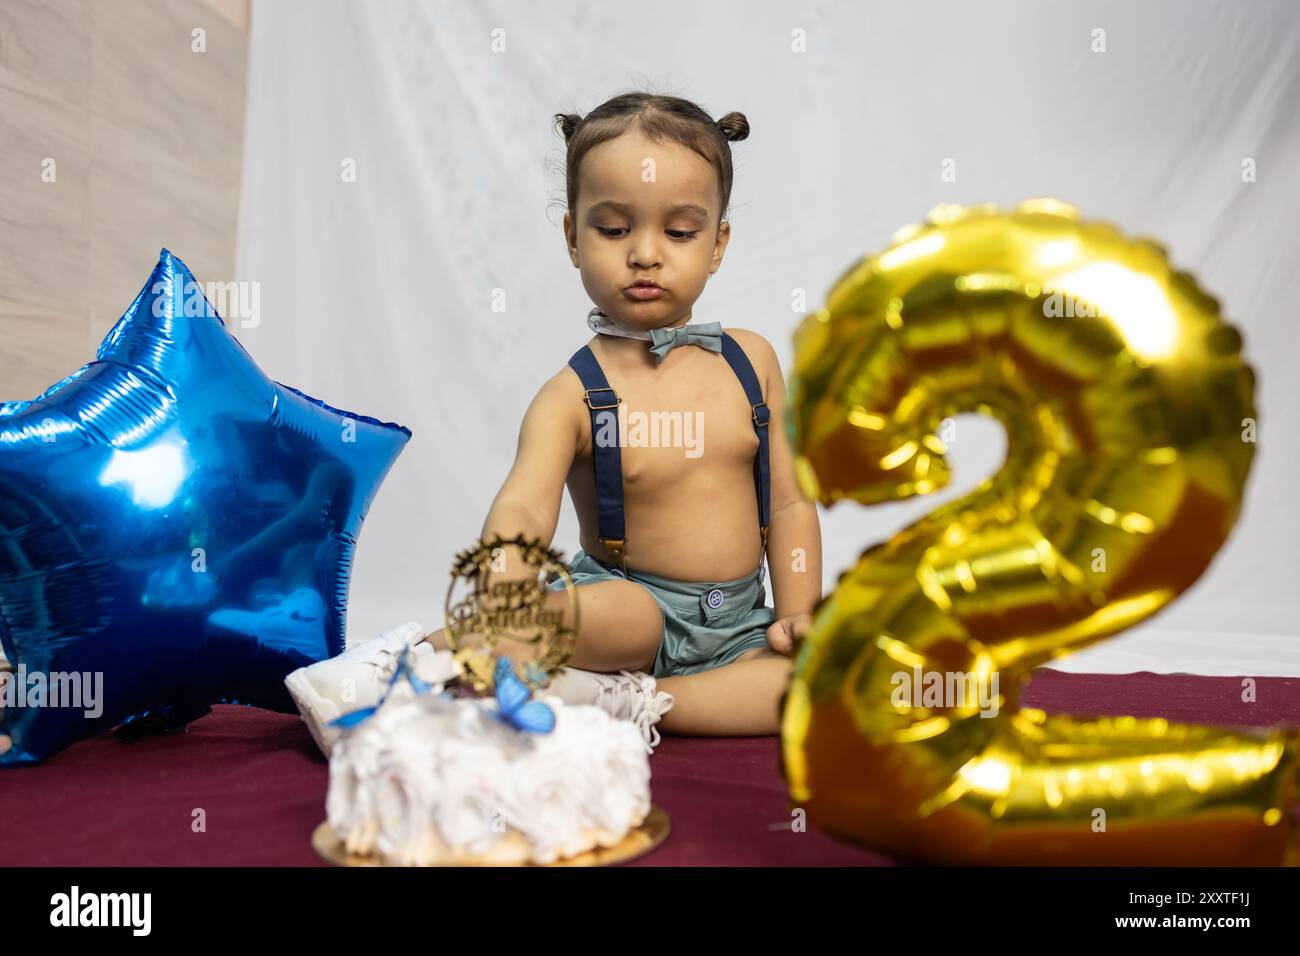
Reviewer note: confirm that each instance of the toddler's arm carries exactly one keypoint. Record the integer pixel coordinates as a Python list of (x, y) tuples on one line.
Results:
[(794, 548), (529, 500)]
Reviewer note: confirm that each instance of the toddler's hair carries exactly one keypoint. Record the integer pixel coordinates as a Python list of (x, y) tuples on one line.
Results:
[(661, 118)]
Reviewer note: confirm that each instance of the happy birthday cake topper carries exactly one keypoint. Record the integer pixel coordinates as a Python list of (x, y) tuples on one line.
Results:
[(486, 603)]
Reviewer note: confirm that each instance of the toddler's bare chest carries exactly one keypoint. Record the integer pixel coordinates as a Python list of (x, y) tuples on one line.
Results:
[(677, 430)]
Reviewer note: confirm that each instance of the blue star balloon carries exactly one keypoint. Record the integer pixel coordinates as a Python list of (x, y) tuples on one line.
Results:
[(175, 529)]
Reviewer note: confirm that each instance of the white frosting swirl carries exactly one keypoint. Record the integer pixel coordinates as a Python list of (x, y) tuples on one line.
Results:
[(428, 779)]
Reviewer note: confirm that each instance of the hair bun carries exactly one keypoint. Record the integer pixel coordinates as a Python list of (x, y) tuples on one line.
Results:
[(734, 127), (566, 123)]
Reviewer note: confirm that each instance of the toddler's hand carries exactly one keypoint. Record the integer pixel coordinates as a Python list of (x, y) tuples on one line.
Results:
[(508, 568), (782, 635)]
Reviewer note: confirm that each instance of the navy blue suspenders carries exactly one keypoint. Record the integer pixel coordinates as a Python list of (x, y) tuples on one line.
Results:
[(607, 458)]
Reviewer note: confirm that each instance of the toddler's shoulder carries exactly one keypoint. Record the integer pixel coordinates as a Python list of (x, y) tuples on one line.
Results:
[(557, 394), (562, 388), (557, 407), (759, 350)]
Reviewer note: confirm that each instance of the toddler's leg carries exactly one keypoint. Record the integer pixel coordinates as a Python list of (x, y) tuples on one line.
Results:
[(740, 699), (619, 628)]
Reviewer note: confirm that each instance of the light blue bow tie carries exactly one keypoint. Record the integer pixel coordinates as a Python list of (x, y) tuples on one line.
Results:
[(704, 334)]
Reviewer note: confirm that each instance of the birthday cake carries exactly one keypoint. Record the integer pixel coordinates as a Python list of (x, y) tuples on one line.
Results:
[(431, 779)]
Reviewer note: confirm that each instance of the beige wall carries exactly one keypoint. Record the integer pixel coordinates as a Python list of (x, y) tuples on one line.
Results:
[(145, 138)]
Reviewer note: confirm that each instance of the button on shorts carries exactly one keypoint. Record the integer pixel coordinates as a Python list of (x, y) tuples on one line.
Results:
[(706, 623)]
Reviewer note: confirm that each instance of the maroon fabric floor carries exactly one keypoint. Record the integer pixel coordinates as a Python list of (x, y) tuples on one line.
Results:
[(260, 784)]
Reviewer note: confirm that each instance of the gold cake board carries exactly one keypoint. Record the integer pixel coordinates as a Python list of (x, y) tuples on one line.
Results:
[(639, 841)]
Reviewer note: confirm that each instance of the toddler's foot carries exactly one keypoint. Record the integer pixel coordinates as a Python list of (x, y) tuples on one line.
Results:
[(359, 677), (625, 695)]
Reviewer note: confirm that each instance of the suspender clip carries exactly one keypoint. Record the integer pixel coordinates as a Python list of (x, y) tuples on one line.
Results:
[(616, 547), (760, 421), (586, 397)]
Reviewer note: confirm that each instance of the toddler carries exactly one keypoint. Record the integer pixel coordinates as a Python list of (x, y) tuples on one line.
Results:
[(674, 632)]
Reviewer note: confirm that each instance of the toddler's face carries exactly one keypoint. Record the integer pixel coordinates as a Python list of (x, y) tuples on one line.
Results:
[(645, 210)]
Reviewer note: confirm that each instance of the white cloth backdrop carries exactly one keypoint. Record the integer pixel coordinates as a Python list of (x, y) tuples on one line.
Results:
[(434, 290)]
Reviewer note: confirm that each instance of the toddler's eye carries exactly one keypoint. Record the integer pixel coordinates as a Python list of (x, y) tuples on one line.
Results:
[(616, 232)]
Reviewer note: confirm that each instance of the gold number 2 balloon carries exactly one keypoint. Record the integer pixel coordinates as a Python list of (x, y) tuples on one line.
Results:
[(1130, 431)]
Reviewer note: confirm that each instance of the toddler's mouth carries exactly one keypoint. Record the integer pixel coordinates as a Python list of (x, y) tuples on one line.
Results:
[(643, 292)]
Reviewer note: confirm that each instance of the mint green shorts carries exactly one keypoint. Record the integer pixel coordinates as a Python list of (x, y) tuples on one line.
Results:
[(706, 623)]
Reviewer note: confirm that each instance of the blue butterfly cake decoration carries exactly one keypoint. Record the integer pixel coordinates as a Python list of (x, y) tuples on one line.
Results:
[(405, 671), (515, 704)]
